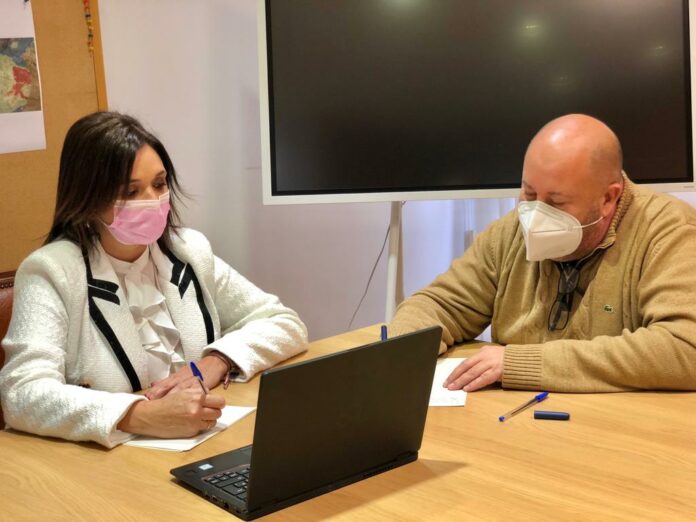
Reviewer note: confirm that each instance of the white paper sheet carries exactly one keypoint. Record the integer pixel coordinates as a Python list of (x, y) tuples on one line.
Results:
[(440, 396), (230, 415)]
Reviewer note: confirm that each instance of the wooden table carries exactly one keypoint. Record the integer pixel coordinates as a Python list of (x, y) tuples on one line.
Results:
[(622, 456)]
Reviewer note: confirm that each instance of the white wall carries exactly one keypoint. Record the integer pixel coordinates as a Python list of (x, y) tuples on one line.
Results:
[(188, 69)]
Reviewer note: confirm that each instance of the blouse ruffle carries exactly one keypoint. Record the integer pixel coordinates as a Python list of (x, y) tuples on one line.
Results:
[(158, 335)]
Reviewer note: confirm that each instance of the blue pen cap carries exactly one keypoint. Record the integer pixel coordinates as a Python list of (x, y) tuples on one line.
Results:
[(551, 415)]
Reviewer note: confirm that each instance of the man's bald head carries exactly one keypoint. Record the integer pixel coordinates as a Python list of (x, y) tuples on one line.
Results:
[(574, 163), (585, 141)]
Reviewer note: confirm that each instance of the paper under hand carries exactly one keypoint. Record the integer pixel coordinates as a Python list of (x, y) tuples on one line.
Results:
[(440, 396)]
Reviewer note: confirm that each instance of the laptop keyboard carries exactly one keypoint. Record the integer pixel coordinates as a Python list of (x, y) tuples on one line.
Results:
[(233, 481)]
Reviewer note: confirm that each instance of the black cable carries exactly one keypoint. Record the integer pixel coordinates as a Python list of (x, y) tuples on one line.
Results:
[(369, 280)]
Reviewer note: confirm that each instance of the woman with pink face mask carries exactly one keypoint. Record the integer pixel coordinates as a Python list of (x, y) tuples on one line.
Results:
[(120, 299)]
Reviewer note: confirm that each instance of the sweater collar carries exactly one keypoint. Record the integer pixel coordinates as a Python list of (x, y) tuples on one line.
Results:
[(621, 209)]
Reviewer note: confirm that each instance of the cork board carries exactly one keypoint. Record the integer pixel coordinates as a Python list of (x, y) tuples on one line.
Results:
[(72, 85)]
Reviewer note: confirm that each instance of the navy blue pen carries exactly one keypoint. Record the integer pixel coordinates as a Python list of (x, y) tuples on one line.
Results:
[(537, 398), (198, 375), (383, 332)]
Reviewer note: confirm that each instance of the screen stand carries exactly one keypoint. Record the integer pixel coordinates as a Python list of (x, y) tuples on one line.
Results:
[(394, 279)]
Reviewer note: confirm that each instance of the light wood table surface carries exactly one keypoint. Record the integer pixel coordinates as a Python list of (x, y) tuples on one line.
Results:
[(622, 456)]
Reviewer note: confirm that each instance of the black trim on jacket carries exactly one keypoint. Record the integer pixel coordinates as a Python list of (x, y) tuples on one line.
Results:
[(98, 288), (182, 276)]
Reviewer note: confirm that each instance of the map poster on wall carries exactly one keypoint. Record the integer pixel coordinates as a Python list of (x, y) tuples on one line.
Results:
[(21, 106)]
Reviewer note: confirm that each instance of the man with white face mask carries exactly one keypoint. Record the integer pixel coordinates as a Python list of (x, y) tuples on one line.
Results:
[(589, 284)]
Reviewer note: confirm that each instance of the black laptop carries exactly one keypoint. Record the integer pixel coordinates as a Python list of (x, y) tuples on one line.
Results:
[(323, 424)]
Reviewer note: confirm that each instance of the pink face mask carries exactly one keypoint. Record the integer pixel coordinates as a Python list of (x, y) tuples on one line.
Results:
[(140, 222)]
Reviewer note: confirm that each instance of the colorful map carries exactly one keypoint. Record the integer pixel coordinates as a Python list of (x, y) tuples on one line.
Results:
[(19, 77)]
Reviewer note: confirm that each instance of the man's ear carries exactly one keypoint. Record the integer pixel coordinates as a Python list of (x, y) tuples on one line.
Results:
[(611, 196)]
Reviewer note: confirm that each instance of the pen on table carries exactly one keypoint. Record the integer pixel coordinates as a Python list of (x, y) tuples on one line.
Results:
[(383, 332), (536, 399), (198, 375)]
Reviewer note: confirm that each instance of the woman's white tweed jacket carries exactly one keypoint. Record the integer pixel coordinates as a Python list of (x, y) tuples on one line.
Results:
[(73, 354)]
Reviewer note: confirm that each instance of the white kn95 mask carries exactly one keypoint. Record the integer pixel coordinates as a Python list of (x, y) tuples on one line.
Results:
[(549, 233)]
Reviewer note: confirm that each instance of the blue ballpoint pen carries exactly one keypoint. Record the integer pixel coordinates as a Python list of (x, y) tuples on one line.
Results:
[(383, 333), (537, 398), (198, 375)]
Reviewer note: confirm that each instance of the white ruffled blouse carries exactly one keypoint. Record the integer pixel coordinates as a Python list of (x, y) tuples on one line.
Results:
[(158, 335)]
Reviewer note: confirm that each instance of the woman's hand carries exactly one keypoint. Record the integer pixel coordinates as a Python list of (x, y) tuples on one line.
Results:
[(181, 413), (212, 368)]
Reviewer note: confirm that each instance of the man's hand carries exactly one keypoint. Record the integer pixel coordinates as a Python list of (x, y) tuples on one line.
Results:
[(212, 368), (481, 369)]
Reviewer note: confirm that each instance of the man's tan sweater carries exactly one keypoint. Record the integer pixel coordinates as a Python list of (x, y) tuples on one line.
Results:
[(634, 327)]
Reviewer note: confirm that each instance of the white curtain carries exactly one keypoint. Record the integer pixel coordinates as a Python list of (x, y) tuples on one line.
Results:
[(437, 232)]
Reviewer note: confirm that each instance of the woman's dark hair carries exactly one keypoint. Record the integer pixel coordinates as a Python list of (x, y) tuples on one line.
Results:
[(95, 168)]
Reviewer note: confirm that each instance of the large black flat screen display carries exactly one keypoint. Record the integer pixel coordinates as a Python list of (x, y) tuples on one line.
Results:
[(426, 95)]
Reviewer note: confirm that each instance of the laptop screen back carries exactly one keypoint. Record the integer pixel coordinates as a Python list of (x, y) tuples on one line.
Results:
[(328, 419)]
